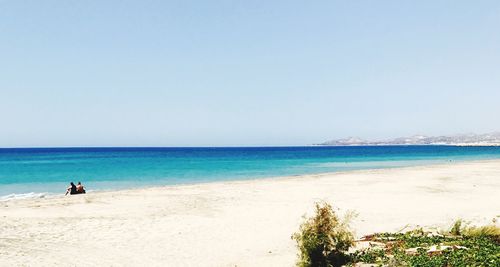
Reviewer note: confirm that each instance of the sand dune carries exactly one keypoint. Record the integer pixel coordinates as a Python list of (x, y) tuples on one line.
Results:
[(243, 223)]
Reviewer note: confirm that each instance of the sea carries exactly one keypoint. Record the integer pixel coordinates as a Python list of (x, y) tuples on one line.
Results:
[(46, 172)]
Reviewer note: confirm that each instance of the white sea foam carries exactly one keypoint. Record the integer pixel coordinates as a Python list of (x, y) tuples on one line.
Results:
[(23, 196)]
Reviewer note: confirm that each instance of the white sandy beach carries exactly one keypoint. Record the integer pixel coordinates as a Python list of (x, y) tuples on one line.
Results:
[(241, 223)]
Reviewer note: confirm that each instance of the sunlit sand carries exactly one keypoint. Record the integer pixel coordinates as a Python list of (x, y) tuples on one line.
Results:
[(243, 223)]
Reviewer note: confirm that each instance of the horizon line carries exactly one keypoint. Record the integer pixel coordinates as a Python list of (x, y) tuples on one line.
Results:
[(237, 146)]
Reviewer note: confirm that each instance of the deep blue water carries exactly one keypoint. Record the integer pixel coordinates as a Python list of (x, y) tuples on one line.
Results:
[(24, 170)]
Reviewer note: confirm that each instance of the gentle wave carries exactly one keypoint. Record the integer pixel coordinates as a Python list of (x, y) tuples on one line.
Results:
[(32, 195)]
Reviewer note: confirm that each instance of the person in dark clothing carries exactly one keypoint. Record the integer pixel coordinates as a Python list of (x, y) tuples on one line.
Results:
[(71, 189)]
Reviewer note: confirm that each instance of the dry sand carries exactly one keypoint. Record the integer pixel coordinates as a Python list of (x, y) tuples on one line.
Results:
[(241, 223)]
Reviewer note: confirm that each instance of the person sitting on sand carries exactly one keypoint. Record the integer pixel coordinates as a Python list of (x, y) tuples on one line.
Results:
[(71, 189), (80, 189)]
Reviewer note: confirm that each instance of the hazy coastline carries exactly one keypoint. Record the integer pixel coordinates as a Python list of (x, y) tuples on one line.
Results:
[(473, 140)]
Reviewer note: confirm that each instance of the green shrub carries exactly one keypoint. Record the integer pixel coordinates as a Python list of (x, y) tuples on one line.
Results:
[(323, 239), (474, 246)]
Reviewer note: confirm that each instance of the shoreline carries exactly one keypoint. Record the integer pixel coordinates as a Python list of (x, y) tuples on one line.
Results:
[(48, 195), (242, 222)]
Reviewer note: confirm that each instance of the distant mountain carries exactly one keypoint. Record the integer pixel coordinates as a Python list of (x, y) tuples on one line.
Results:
[(491, 139)]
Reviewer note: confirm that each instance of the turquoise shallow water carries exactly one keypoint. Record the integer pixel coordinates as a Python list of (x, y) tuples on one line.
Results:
[(39, 171)]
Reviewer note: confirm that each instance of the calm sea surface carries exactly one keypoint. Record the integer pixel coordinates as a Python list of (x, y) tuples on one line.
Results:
[(36, 172)]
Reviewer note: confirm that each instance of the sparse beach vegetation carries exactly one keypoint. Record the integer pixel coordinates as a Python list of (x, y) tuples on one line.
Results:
[(323, 242), (324, 239)]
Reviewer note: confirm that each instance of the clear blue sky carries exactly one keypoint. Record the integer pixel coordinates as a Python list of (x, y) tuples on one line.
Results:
[(202, 73)]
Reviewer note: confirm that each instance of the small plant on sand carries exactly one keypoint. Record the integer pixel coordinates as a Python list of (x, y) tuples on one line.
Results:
[(456, 229), (323, 239)]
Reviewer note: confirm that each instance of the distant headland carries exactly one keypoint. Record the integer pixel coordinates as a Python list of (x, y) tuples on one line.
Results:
[(490, 139)]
